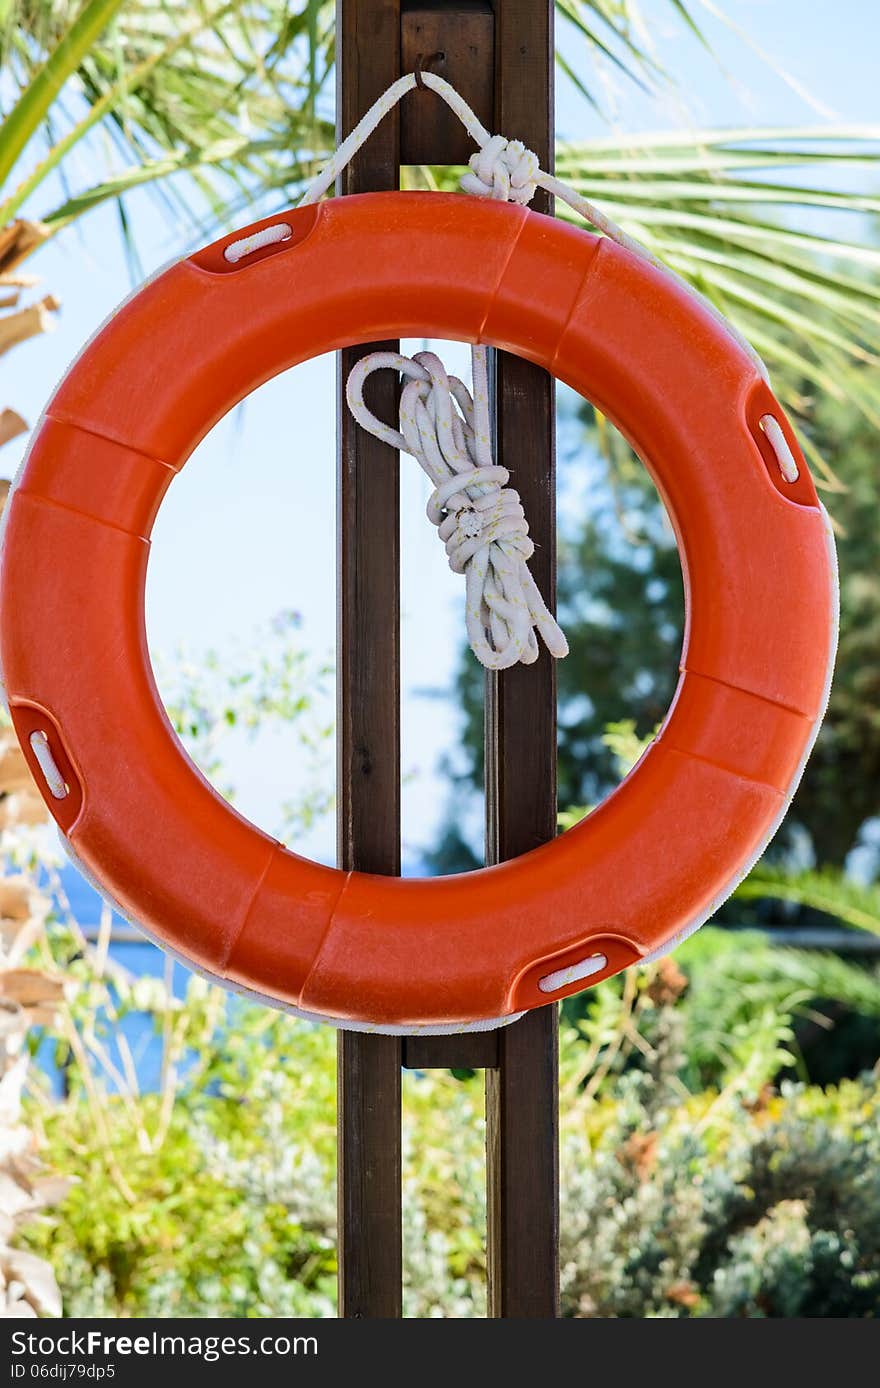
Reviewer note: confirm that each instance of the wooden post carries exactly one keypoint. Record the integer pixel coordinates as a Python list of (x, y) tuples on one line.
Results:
[(459, 35), (368, 705), (520, 739), (500, 56)]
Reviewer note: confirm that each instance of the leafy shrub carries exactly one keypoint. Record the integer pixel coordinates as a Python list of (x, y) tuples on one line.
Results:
[(770, 1209), (696, 1181)]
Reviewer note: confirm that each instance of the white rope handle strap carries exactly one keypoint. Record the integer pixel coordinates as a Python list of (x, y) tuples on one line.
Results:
[(478, 517)]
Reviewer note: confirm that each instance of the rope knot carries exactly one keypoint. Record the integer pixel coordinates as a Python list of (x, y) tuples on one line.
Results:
[(503, 169)]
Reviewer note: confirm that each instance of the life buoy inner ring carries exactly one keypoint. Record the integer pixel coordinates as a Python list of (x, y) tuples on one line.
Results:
[(658, 855)]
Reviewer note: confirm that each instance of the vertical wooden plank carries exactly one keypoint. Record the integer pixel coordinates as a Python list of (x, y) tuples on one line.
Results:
[(368, 705), (522, 1093), (459, 36), (472, 1050), (369, 1159)]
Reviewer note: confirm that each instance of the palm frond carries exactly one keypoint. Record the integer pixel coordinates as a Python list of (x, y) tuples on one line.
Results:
[(173, 88), (775, 228), (60, 63), (826, 891), (206, 92), (740, 979)]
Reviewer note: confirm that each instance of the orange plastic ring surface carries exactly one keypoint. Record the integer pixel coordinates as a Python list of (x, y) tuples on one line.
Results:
[(658, 855)]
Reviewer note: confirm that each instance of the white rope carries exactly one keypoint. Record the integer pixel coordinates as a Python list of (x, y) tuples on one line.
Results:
[(478, 517), (508, 153), (779, 443), (268, 236), (593, 964), (48, 765)]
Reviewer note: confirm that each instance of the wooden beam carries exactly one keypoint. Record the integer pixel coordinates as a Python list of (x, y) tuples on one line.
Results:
[(368, 706), (463, 33), (477, 1050), (522, 1093), (369, 1155)]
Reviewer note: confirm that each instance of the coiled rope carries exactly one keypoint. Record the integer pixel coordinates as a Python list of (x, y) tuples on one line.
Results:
[(478, 517)]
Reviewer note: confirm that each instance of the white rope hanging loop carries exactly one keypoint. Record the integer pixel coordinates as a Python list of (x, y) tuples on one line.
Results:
[(486, 178)]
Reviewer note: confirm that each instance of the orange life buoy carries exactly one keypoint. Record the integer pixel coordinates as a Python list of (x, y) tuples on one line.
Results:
[(642, 870)]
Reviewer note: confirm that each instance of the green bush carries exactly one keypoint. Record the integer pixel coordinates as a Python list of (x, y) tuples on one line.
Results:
[(772, 1211), (697, 1180)]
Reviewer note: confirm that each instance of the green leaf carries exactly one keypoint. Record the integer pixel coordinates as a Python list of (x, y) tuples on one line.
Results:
[(113, 97), (826, 891), (36, 100)]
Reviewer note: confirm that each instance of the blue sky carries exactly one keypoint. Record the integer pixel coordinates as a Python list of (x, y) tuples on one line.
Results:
[(248, 528)]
